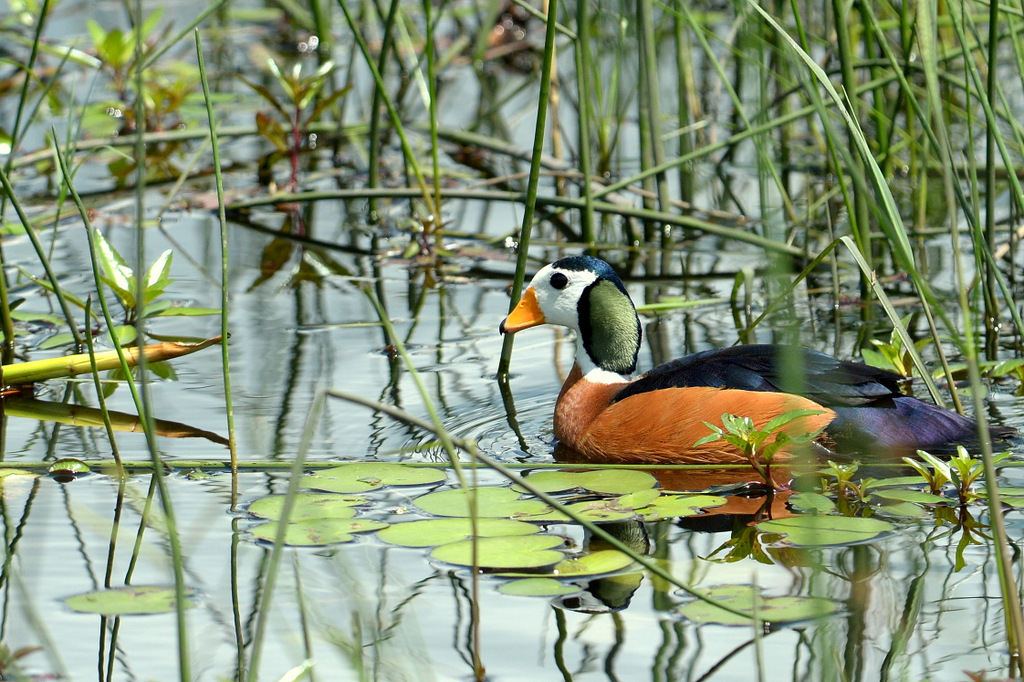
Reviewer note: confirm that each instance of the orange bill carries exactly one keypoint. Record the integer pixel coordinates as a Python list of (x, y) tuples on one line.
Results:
[(526, 314)]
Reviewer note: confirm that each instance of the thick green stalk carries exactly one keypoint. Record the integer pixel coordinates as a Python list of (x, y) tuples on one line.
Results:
[(585, 93), (992, 314), (376, 124), (225, 290), (435, 152), (650, 116), (533, 183)]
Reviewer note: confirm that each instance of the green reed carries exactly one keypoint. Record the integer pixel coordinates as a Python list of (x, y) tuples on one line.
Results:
[(225, 290)]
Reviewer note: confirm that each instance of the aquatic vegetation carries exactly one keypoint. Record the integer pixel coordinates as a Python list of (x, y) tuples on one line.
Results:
[(708, 152)]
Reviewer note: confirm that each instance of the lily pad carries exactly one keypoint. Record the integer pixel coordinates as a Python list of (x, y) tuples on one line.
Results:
[(433, 532), (670, 505), (815, 531), (587, 565), (317, 532), (307, 506), (815, 503), (915, 496), (905, 509), (521, 552), (640, 498), (595, 511), (4, 473), (614, 481), (491, 502), (746, 599), (537, 587), (595, 563), (129, 600), (359, 477)]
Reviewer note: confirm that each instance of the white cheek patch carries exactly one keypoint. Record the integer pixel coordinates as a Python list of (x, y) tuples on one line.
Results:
[(560, 306)]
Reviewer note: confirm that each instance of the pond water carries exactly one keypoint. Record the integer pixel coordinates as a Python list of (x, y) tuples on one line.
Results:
[(370, 610), (919, 601)]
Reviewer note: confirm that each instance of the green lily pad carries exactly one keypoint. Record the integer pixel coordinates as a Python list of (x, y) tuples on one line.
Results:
[(672, 505), (521, 552), (640, 498), (915, 496), (359, 477), (594, 563), (587, 565), (814, 531), (1004, 491), (905, 509), (491, 502), (537, 587), (613, 481), (595, 511), (815, 503), (68, 469), (4, 473), (433, 532), (769, 609), (129, 600), (306, 506), (317, 532)]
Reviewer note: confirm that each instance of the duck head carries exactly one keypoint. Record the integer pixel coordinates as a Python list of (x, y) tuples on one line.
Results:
[(584, 294)]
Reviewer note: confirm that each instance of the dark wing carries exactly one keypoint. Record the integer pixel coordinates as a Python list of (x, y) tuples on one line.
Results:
[(763, 367)]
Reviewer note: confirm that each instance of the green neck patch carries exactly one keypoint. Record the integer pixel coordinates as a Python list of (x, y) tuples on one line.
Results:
[(609, 327)]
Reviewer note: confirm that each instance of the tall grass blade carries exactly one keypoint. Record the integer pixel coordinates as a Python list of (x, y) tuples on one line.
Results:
[(225, 289)]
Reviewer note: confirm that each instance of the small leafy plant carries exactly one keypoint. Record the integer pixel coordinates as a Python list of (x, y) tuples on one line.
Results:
[(296, 110), (845, 486), (165, 93), (124, 283), (892, 354), (962, 471), (759, 446)]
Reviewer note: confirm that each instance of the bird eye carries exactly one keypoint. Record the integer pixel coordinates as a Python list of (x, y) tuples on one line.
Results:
[(558, 280)]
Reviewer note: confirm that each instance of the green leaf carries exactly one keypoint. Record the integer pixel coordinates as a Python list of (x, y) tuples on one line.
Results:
[(307, 506), (123, 335), (673, 505), (593, 563), (130, 600), (596, 511), (904, 509), (316, 532), (57, 340), (159, 271), (116, 273), (362, 476), (786, 417), (812, 502), (491, 502), (748, 600), (434, 532), (641, 498), (915, 496), (503, 553), (816, 531), (613, 481)]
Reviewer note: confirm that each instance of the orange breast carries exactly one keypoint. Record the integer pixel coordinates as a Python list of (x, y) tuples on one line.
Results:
[(663, 426)]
